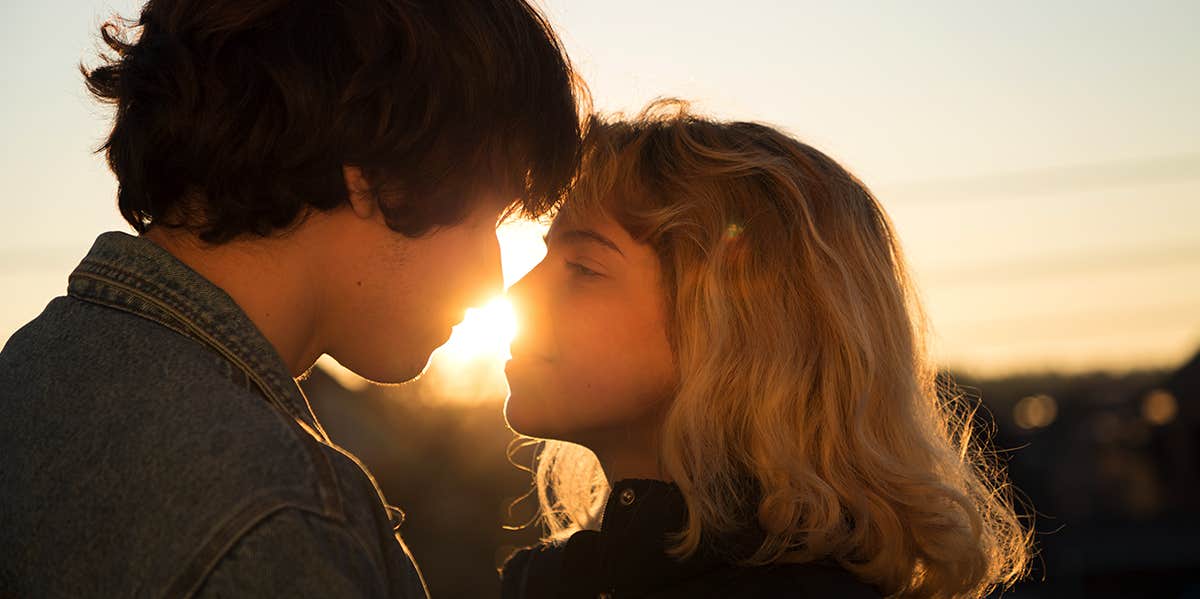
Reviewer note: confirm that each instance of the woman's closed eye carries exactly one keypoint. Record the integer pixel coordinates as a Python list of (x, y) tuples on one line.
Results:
[(581, 270)]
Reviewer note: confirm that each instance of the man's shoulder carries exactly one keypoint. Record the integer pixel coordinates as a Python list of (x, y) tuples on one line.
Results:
[(83, 345), (154, 442), (88, 371), (294, 553), (164, 449), (97, 385), (123, 389)]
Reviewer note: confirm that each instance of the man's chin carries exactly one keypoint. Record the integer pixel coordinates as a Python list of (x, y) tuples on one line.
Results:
[(393, 373)]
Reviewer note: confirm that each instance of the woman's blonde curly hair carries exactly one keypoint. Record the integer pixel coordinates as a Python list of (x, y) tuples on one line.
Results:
[(807, 409)]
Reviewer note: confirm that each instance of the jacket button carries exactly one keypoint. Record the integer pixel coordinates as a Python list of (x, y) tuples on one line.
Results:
[(627, 496)]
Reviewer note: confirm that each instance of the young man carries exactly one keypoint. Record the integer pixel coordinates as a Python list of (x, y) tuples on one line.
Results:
[(304, 178)]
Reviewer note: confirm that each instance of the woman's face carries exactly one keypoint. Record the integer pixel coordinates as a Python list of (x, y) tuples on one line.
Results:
[(591, 360)]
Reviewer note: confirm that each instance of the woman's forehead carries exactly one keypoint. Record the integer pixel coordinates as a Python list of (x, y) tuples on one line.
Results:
[(577, 212), (596, 224)]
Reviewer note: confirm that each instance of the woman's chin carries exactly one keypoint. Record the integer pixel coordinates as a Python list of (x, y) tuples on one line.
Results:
[(517, 418), (526, 419)]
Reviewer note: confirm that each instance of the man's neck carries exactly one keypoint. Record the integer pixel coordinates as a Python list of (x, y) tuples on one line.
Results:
[(270, 279)]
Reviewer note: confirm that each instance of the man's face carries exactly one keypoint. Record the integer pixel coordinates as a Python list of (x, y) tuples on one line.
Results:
[(394, 299), (591, 360)]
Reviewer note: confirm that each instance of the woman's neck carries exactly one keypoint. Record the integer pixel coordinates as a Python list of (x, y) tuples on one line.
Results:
[(630, 453)]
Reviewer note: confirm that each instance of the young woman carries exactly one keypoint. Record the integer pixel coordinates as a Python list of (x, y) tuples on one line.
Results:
[(723, 353)]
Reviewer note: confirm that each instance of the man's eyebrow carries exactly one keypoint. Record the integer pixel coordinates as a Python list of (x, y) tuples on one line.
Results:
[(584, 236)]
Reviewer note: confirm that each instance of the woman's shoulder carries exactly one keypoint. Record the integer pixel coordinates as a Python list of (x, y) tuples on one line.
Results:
[(531, 571), (534, 572), (813, 579)]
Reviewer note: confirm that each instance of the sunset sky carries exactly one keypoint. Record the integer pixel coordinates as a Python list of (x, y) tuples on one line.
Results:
[(1041, 162)]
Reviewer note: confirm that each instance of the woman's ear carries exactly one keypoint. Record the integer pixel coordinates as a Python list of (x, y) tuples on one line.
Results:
[(358, 189)]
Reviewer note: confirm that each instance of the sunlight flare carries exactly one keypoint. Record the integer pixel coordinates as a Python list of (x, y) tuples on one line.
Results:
[(484, 333), (469, 368)]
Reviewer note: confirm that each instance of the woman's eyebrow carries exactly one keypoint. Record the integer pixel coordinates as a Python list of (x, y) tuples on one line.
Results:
[(583, 236)]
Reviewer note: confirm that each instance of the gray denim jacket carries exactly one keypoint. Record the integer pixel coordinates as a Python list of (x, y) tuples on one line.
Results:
[(154, 444)]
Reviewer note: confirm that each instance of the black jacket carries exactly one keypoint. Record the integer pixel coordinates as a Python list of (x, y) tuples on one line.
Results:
[(626, 559)]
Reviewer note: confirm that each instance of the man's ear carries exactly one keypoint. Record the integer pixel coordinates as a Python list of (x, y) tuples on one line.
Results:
[(358, 189)]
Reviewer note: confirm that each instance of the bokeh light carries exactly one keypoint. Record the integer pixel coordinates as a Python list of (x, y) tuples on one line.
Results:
[(1035, 411), (1159, 407)]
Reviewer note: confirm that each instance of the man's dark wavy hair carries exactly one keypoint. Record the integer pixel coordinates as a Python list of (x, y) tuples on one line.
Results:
[(236, 116)]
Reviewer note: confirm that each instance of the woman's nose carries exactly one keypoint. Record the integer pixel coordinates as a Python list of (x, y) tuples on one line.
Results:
[(523, 296), (518, 293)]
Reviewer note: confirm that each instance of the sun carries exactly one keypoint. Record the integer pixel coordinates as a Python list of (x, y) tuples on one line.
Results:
[(485, 332), (469, 368)]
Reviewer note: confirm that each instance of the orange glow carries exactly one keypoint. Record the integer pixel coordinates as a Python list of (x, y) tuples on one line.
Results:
[(484, 333), (1035, 411), (1159, 407), (469, 368)]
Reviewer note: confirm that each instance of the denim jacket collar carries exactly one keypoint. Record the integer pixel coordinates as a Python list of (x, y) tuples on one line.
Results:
[(135, 275)]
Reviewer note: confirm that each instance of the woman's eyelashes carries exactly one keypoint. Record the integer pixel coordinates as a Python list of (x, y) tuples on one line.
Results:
[(578, 269)]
